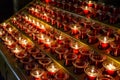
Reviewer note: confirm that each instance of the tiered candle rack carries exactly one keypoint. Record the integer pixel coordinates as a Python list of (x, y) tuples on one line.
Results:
[(83, 42)]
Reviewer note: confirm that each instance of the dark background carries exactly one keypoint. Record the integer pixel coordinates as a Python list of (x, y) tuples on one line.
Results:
[(9, 7)]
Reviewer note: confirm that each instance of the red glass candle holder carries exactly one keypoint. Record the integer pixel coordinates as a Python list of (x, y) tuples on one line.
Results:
[(47, 43), (92, 38), (83, 33), (111, 67), (108, 32), (26, 60), (52, 69), (61, 76), (60, 39), (31, 66), (37, 73), (21, 55), (45, 61), (86, 10), (2, 32), (115, 49), (61, 51), (105, 77), (79, 66), (97, 59), (34, 51), (69, 58), (74, 30), (85, 53), (41, 38), (96, 28), (90, 4), (104, 41), (92, 72), (38, 55), (75, 47), (10, 44), (118, 72), (17, 49), (117, 37)]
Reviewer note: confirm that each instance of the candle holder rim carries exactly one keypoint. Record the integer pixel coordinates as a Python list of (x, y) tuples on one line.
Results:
[(49, 61), (117, 67), (65, 56), (90, 66), (83, 66), (104, 57), (41, 71), (101, 38), (66, 76), (105, 77)]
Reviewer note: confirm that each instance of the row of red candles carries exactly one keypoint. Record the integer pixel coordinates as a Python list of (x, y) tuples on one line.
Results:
[(23, 53), (83, 32), (29, 22), (95, 10)]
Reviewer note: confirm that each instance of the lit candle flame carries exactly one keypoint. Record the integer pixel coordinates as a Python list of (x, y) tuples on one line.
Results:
[(105, 39), (90, 2), (86, 8), (38, 24), (9, 42), (14, 19), (76, 46), (10, 29), (37, 73), (42, 27), (111, 67), (26, 17), (42, 36), (36, 10), (24, 42), (4, 24), (75, 27), (60, 37), (16, 50)]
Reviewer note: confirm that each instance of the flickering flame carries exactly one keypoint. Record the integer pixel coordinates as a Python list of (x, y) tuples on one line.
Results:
[(111, 67)]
